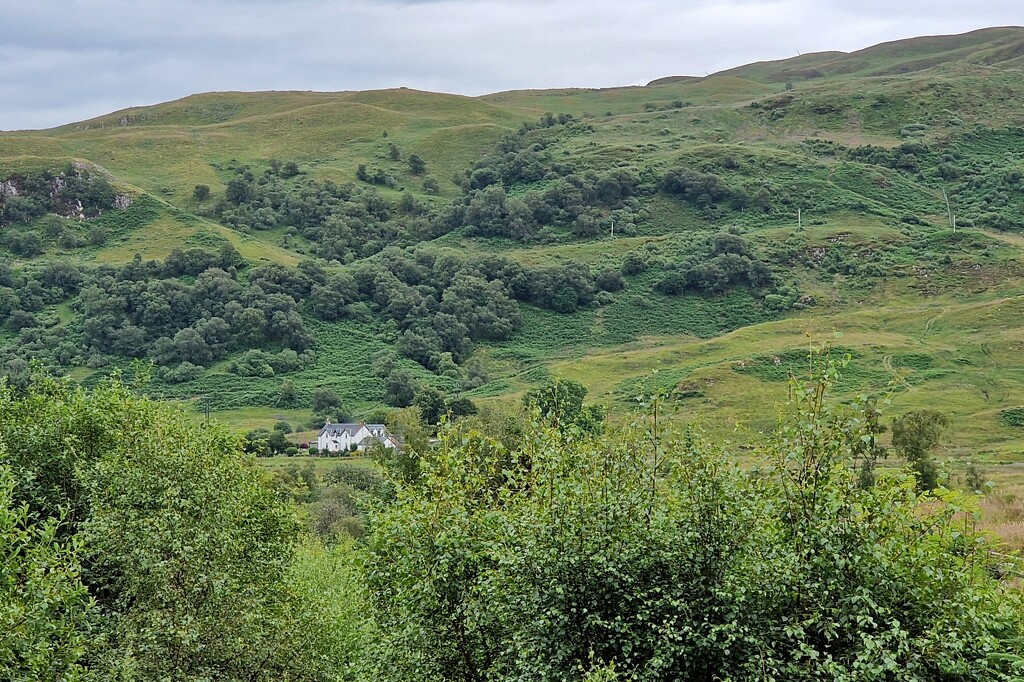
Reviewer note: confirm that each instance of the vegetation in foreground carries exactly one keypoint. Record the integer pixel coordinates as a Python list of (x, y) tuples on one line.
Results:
[(138, 545)]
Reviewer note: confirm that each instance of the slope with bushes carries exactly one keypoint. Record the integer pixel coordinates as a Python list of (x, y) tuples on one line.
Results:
[(379, 244)]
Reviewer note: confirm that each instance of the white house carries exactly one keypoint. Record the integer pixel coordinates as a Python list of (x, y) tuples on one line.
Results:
[(342, 437)]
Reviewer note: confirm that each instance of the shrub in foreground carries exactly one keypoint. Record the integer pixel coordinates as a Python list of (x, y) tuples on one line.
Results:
[(151, 548), (648, 552)]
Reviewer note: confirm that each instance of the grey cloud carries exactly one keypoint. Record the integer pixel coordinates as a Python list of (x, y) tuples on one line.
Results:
[(65, 61)]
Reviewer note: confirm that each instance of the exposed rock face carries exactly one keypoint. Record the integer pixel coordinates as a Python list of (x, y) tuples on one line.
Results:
[(8, 189), (122, 201)]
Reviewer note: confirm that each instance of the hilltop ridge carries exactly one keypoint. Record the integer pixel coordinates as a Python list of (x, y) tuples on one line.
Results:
[(998, 47)]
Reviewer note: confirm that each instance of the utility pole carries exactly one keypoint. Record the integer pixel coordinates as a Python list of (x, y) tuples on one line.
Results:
[(949, 211), (799, 219)]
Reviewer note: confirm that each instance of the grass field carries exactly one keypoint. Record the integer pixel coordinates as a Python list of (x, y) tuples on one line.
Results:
[(936, 325)]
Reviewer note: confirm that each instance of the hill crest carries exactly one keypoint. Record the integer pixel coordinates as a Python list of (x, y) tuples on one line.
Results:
[(996, 46)]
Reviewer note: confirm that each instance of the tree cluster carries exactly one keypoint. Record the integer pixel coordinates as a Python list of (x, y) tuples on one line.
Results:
[(725, 262), (341, 222), (188, 310), (702, 190), (647, 555), (73, 191), (139, 545)]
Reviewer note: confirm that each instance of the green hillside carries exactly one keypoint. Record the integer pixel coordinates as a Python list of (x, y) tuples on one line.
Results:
[(991, 47), (694, 235)]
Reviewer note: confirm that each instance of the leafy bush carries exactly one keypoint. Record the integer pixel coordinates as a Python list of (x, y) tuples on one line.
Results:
[(649, 551), (193, 566), (1013, 416)]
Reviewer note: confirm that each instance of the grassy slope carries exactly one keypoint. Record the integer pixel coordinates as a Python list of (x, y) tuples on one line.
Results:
[(964, 325)]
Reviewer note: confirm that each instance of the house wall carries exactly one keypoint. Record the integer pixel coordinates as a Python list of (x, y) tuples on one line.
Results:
[(342, 441)]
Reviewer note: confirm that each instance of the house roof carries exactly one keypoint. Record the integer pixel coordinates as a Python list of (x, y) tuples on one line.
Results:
[(350, 429)]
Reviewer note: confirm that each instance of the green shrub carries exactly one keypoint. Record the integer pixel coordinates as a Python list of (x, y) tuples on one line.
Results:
[(1013, 416), (193, 561), (647, 550), (913, 360)]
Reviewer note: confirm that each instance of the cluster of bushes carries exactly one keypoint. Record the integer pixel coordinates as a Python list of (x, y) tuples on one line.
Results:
[(581, 203), (196, 307), (906, 157), (38, 208), (645, 554), (259, 363), (981, 168), (376, 176), (171, 320), (441, 303), (343, 223), (727, 262), (147, 309), (340, 501), (138, 544), (703, 190), (73, 191), (501, 201)]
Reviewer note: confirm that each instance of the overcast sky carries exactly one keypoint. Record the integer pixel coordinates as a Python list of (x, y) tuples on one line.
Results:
[(69, 60)]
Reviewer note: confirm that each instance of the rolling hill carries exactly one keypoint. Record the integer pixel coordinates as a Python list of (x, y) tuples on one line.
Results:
[(817, 188)]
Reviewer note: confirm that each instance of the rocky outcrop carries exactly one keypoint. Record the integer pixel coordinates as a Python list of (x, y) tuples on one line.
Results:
[(80, 192)]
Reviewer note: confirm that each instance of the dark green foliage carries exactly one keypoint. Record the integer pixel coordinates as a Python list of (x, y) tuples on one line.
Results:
[(399, 389), (914, 435), (1013, 416), (27, 244), (417, 166), (201, 192), (609, 280), (430, 185), (326, 401), (701, 190), (462, 407), (132, 312), (726, 263), (431, 403), (72, 192), (634, 263)]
